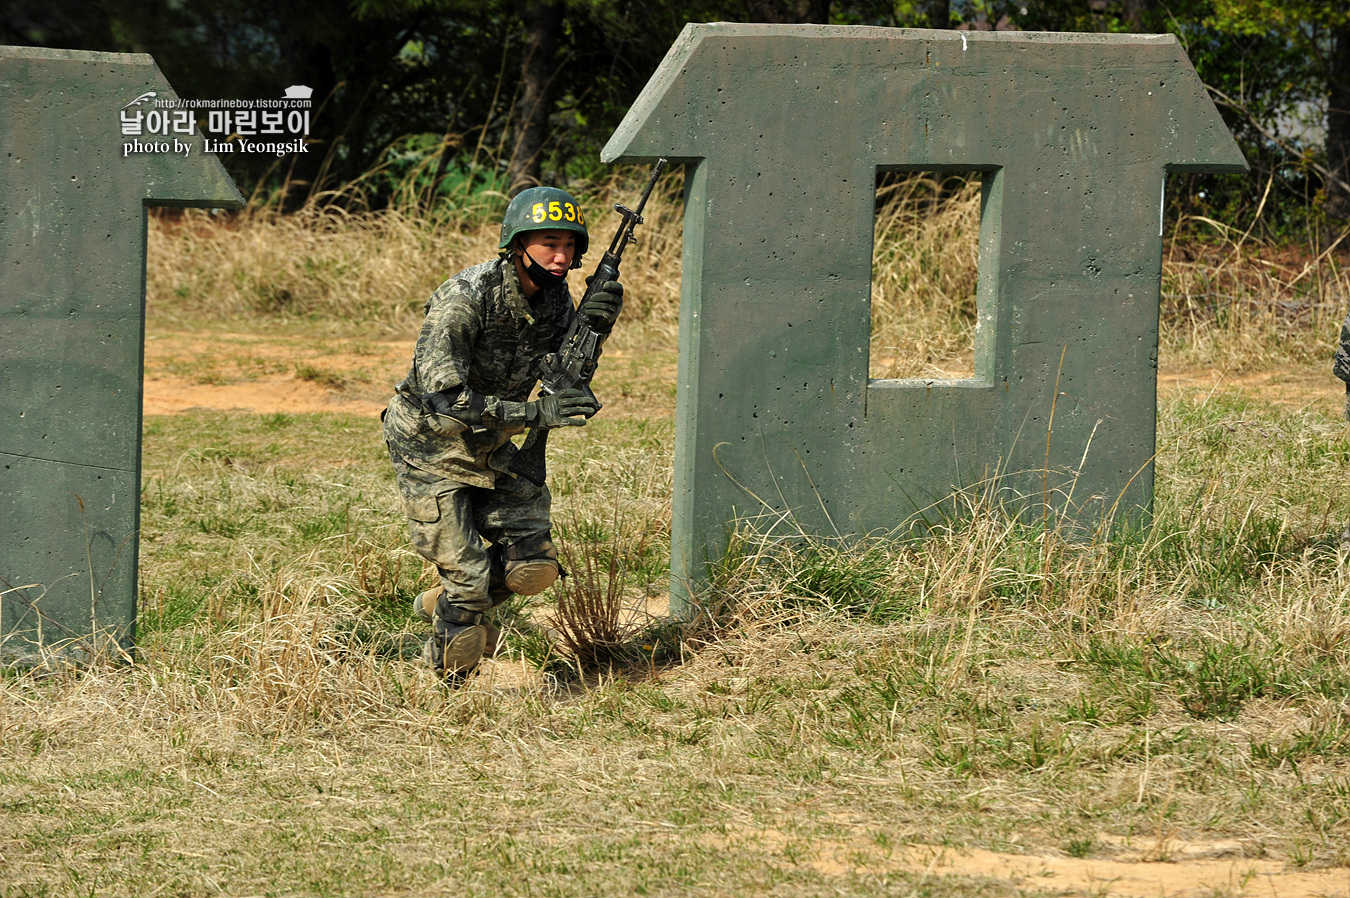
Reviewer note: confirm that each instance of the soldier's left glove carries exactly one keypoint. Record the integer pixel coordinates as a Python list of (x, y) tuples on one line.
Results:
[(439, 403), (602, 309), (569, 408), (442, 418)]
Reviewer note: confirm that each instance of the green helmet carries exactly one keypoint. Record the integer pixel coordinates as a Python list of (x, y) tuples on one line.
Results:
[(545, 209)]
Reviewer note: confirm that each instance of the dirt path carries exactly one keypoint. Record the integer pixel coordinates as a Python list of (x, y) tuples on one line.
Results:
[(1172, 869), (268, 374), (1311, 386), (1191, 869), (272, 373)]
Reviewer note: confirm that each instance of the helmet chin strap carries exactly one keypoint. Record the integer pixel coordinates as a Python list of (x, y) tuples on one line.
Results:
[(541, 276)]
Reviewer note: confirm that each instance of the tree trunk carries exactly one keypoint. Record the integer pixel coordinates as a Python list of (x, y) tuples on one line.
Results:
[(1338, 128), (310, 62), (543, 24), (1135, 14), (939, 13), (788, 12)]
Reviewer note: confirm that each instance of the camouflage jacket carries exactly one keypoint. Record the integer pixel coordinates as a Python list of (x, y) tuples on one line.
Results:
[(1341, 367), (481, 343)]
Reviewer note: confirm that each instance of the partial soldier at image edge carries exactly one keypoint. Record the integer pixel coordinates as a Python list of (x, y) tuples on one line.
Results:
[(1341, 368)]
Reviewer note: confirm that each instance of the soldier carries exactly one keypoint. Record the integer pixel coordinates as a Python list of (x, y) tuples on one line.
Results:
[(450, 422)]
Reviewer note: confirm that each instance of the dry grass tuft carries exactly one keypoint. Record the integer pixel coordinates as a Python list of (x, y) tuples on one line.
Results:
[(372, 268), (924, 267), (1240, 306), (376, 268), (592, 623)]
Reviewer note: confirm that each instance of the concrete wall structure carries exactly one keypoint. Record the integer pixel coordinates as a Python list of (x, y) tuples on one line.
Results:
[(783, 130), (72, 298)]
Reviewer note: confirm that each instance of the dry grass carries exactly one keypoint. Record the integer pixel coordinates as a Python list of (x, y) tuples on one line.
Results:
[(924, 269), (1100, 699), (597, 619), (1239, 306), (374, 269), (989, 686), (1228, 302)]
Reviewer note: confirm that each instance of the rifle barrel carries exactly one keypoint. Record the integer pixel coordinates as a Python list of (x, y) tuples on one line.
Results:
[(529, 461), (633, 217)]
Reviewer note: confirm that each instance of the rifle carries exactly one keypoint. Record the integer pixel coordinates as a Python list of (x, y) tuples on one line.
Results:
[(573, 365)]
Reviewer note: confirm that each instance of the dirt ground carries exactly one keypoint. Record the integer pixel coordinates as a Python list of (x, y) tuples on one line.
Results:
[(269, 374), (277, 373), (1171, 869), (1192, 868)]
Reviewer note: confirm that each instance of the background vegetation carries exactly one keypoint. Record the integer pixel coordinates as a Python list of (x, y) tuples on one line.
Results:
[(463, 95)]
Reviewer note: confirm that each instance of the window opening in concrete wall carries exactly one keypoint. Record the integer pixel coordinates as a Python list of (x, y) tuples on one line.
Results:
[(925, 251)]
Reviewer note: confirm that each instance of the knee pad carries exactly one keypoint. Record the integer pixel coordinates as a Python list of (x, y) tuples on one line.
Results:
[(531, 565)]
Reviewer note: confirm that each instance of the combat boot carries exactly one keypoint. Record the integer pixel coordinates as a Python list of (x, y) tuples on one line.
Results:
[(424, 607), (456, 644)]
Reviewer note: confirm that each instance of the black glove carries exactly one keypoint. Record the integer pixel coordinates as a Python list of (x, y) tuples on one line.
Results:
[(444, 417), (438, 403), (568, 408), (602, 308)]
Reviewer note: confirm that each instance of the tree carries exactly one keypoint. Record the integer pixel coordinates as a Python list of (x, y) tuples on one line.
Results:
[(1278, 72), (1338, 123), (939, 13), (509, 93), (543, 21), (1317, 31), (788, 12)]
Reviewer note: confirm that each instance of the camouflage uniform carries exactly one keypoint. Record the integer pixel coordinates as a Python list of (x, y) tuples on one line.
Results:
[(1341, 367), (481, 342)]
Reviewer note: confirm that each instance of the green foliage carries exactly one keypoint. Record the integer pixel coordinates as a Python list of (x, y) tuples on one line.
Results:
[(1294, 19), (420, 97)]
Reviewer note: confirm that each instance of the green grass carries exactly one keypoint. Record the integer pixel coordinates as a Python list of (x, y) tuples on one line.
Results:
[(837, 712), (844, 705)]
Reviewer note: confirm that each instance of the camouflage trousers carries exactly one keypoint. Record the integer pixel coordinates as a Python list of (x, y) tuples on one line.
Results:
[(467, 531)]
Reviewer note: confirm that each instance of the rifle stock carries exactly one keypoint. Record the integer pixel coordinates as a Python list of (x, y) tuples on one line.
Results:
[(528, 462)]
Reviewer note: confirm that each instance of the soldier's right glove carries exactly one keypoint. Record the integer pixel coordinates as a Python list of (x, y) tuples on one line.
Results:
[(567, 408)]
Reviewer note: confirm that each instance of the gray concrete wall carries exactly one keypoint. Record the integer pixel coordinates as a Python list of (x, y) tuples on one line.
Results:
[(72, 299), (783, 130)]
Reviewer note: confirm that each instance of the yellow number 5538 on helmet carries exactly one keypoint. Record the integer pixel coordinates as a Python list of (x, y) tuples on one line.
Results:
[(545, 209)]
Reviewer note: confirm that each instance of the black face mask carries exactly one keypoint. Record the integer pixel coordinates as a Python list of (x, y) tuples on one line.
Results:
[(542, 277)]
